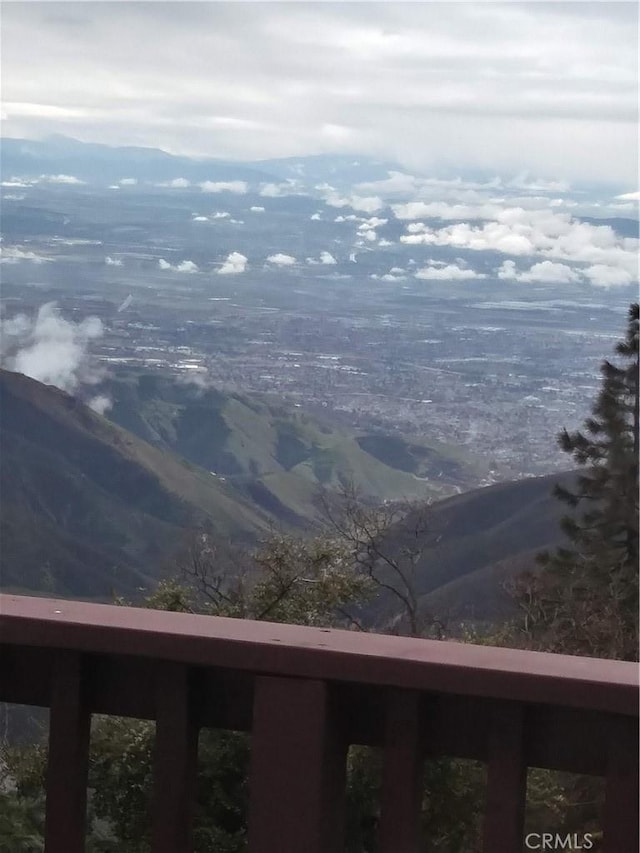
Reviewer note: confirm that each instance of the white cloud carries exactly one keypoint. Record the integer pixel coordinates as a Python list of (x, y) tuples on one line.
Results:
[(522, 232), (601, 275), (200, 219), (373, 222), (256, 209), (281, 260), (546, 272), (221, 214), (443, 210), (397, 184), (51, 349), (327, 258), (61, 179), (635, 196), (128, 182), (14, 254), (113, 262), (367, 204), (237, 187), (187, 266), (277, 190), (315, 216), (178, 184), (450, 272), (235, 263), (184, 266), (100, 404)]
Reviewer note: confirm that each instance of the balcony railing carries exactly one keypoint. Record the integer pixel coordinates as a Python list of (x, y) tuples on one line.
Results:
[(306, 694)]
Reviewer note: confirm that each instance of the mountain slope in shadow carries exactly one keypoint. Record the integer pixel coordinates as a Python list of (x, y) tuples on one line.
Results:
[(87, 507)]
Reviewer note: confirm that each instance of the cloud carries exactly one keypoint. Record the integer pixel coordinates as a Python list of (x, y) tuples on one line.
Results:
[(46, 179), (278, 190), (113, 262), (521, 232), (221, 214), (235, 263), (237, 187), (601, 275), (128, 182), (450, 272), (327, 258), (187, 266), (100, 404), (367, 204), (61, 179), (14, 254), (256, 209), (443, 210), (315, 217), (177, 184), (281, 260), (373, 222), (51, 349), (184, 266), (397, 184), (19, 183), (492, 86), (546, 272)]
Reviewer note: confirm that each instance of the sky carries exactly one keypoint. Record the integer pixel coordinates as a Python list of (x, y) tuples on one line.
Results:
[(548, 87)]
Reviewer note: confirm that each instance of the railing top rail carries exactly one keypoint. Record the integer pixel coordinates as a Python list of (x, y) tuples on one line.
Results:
[(347, 656)]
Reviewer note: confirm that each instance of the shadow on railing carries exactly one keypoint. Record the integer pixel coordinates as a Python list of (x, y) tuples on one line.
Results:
[(306, 694)]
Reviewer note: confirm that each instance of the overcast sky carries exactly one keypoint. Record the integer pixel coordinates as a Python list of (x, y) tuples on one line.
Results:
[(551, 87)]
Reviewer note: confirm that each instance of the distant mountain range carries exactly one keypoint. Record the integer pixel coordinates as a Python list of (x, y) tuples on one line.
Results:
[(102, 164), (89, 509)]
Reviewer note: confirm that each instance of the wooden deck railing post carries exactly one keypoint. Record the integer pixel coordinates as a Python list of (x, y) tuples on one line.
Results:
[(506, 780), (297, 778), (68, 761), (402, 774), (175, 759), (621, 797)]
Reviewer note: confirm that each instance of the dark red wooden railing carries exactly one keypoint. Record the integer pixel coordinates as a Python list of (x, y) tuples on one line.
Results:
[(305, 694)]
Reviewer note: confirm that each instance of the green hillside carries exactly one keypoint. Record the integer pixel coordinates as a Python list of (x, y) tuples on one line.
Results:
[(88, 507), (277, 454)]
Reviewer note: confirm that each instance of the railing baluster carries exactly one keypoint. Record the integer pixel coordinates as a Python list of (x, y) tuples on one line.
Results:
[(68, 762), (297, 781), (175, 759), (506, 781), (402, 774), (621, 797)]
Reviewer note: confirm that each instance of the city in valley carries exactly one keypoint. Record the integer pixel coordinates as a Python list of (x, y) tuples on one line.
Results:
[(346, 287)]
